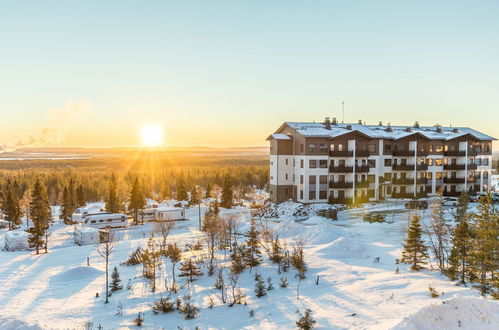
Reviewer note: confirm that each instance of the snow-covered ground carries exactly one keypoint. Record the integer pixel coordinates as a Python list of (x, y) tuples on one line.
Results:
[(58, 289)]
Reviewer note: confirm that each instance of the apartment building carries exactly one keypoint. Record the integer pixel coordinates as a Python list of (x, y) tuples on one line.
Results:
[(351, 163)]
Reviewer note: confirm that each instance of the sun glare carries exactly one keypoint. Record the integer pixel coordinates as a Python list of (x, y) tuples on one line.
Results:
[(151, 135)]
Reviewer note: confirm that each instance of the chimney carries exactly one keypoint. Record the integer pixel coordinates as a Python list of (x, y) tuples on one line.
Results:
[(416, 125), (439, 128), (408, 129), (334, 121), (327, 123), (455, 130), (380, 123), (349, 127), (389, 128), (360, 121)]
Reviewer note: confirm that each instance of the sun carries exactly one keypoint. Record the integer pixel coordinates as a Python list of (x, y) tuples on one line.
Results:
[(151, 135)]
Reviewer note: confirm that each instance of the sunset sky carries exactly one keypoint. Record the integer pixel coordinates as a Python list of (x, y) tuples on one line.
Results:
[(228, 73)]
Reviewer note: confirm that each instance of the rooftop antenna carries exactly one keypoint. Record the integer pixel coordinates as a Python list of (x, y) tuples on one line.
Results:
[(343, 111)]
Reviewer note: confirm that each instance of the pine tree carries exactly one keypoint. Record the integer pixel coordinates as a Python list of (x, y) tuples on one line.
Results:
[(115, 280), (484, 251), (208, 190), (66, 209), (72, 195), (190, 270), (11, 205), (40, 217), (260, 289), (195, 196), (174, 253), (227, 193), (112, 202), (237, 260), (137, 200), (415, 251), (253, 256), (151, 261), (461, 246), (181, 192), (276, 251), (306, 321), (80, 197), (298, 259)]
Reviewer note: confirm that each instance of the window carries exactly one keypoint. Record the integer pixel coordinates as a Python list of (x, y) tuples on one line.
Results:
[(430, 148), (372, 163), (371, 148), (340, 147), (301, 163), (439, 162), (311, 194), (438, 175), (109, 220), (323, 163), (312, 147), (286, 161), (101, 220), (92, 221), (485, 162), (301, 180), (312, 163), (323, 194), (271, 177), (430, 161), (429, 175), (301, 194), (331, 147), (388, 162), (388, 176), (323, 179), (286, 176), (388, 147), (440, 148), (271, 163), (323, 148), (312, 179), (478, 161)]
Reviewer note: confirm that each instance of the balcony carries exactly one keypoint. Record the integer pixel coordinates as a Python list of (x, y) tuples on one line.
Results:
[(472, 167), (348, 169), (361, 169), (453, 167), (408, 181), (346, 153), (451, 193), (409, 195), (409, 153), (473, 152), (348, 184), (406, 167), (454, 180), (475, 178), (454, 153)]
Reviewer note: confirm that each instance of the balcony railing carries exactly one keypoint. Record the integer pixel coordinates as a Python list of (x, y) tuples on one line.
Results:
[(340, 200), (454, 180), (406, 167), (347, 153), (453, 167), (472, 167), (409, 153), (348, 184), (455, 153), (348, 169), (408, 181)]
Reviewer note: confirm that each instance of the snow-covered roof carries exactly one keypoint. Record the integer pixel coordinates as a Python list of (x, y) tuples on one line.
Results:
[(89, 230), (166, 209), (16, 233), (381, 132), (279, 137)]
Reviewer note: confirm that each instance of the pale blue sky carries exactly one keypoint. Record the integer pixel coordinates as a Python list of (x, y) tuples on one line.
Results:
[(230, 72)]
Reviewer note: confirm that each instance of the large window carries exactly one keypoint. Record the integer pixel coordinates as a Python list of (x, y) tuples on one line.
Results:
[(323, 163), (311, 194), (323, 148), (312, 147), (312, 163), (301, 163), (439, 162), (312, 179), (388, 162)]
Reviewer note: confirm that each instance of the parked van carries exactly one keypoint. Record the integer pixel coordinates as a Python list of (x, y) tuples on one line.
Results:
[(106, 220)]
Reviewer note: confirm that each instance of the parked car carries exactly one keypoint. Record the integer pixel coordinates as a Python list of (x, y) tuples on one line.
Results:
[(416, 205), (449, 201)]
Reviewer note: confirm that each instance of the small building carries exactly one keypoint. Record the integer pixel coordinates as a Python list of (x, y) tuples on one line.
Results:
[(86, 236), (16, 240)]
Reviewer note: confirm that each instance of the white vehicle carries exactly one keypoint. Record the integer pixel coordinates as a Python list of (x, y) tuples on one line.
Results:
[(449, 201), (82, 212), (86, 235), (16, 240), (106, 220), (162, 214)]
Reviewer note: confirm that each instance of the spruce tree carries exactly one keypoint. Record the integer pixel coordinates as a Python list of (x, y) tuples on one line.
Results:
[(80, 197), (115, 280), (181, 192), (484, 250), (174, 253), (66, 207), (137, 200), (460, 252), (40, 217), (260, 289), (208, 190), (190, 270), (11, 205), (227, 193), (306, 321), (415, 251), (112, 202), (195, 196), (253, 256)]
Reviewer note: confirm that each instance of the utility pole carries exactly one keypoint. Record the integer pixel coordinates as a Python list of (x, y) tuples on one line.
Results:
[(199, 213), (343, 112)]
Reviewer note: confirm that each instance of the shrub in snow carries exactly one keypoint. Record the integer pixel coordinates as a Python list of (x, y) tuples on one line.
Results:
[(260, 288), (139, 320), (189, 309), (284, 282), (306, 321), (251, 313), (433, 292), (298, 260), (270, 286), (134, 258), (115, 280), (163, 305)]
